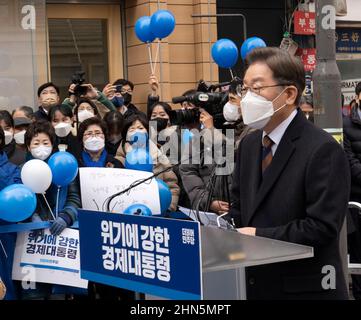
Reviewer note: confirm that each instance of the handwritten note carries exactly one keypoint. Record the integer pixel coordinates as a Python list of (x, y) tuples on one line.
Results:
[(99, 184)]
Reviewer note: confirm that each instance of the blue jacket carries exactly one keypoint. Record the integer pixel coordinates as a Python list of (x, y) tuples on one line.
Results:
[(9, 174)]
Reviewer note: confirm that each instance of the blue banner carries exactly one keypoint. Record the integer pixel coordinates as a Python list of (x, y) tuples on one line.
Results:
[(150, 255), (348, 40)]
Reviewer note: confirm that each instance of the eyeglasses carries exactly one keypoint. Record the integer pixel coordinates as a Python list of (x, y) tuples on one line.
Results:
[(96, 134), (242, 90)]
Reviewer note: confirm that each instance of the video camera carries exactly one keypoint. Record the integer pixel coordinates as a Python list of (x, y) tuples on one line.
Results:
[(78, 79), (205, 97)]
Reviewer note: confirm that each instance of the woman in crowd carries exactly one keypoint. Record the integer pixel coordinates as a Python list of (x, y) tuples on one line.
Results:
[(61, 203), (114, 121), (85, 109), (137, 123), (9, 174), (61, 117), (92, 136), (15, 153)]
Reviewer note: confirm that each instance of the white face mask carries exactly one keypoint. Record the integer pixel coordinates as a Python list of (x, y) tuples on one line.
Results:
[(84, 114), (94, 144), (42, 152), (20, 137), (231, 112), (62, 129), (8, 137), (257, 111)]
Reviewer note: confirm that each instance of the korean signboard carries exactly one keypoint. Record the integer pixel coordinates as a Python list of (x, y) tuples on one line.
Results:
[(304, 23), (151, 255), (348, 40)]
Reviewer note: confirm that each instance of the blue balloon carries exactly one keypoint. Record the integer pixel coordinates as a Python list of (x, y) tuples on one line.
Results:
[(162, 23), (138, 210), (251, 43), (17, 203), (64, 168), (165, 196), (225, 53), (142, 29), (139, 159)]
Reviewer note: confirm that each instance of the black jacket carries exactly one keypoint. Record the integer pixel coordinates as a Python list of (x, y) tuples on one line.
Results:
[(352, 146), (16, 154), (41, 114), (72, 143), (132, 109), (302, 198)]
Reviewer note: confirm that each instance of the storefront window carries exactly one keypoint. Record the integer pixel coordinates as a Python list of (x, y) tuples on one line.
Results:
[(23, 58)]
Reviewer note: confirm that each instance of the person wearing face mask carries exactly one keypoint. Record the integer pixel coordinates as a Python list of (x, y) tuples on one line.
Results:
[(9, 174), (48, 96), (40, 140), (138, 123), (291, 181), (61, 117), (93, 136), (121, 94), (114, 121), (85, 109), (15, 153)]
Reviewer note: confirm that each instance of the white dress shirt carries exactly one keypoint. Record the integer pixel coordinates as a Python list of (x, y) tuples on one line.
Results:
[(278, 132)]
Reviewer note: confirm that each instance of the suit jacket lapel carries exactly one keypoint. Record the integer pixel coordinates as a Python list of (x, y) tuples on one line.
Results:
[(284, 151)]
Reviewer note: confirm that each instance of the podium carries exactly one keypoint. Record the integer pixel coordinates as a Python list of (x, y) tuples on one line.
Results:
[(226, 254)]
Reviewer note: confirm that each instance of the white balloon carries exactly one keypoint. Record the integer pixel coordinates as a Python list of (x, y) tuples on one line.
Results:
[(36, 175)]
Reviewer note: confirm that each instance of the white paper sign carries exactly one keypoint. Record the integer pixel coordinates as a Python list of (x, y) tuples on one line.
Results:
[(49, 259), (348, 89), (98, 184)]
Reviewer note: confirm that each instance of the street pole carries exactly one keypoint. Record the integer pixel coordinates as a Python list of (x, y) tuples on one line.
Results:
[(327, 89)]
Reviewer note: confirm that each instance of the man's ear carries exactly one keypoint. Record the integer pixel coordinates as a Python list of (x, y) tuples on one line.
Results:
[(292, 93)]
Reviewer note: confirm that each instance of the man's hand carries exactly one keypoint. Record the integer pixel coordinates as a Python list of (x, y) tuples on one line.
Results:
[(206, 119), (109, 90), (92, 92), (154, 84), (219, 207), (248, 231)]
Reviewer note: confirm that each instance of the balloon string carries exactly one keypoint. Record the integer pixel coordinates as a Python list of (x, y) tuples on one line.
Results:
[(2, 246), (150, 58), (57, 202), (156, 56), (47, 203), (230, 70)]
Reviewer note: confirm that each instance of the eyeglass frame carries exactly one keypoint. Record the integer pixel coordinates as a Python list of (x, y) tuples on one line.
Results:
[(258, 89), (93, 134)]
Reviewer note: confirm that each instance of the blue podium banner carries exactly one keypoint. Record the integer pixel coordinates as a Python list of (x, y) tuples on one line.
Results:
[(150, 255)]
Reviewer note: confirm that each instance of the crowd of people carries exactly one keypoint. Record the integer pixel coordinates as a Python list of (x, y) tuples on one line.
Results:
[(98, 128)]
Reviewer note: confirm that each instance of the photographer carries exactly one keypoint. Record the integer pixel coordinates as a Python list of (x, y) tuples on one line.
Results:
[(79, 91), (121, 93), (197, 176)]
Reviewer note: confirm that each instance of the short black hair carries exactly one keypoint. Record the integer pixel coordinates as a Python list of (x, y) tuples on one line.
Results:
[(189, 92), (114, 121), (358, 89), (6, 116), (85, 100), (28, 111), (2, 139), (47, 85), (89, 122), (167, 108), (234, 84), (64, 109), (123, 82), (131, 119), (40, 126), (286, 69)]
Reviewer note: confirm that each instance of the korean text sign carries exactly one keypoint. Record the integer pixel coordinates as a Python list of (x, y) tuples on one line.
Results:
[(52, 259), (151, 255)]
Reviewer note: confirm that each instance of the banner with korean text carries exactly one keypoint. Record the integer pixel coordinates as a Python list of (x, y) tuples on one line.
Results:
[(150, 255)]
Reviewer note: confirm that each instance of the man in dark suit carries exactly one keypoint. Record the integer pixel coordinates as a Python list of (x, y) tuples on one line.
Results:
[(292, 181), (48, 96)]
